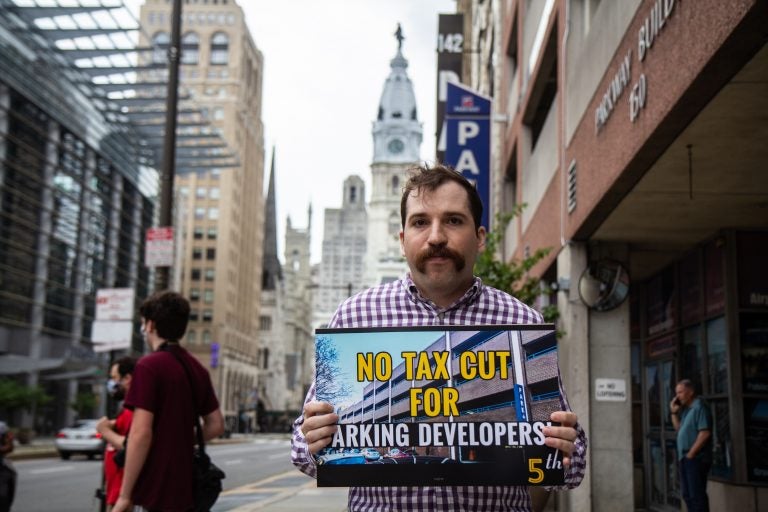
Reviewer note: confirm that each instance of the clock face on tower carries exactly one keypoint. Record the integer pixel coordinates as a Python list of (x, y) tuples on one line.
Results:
[(395, 146)]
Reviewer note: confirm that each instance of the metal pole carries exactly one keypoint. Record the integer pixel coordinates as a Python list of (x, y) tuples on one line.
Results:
[(169, 147)]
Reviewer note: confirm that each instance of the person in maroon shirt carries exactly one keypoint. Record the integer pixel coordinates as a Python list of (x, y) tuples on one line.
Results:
[(158, 466)]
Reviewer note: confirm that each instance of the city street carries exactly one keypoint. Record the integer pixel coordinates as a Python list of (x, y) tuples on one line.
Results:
[(69, 486)]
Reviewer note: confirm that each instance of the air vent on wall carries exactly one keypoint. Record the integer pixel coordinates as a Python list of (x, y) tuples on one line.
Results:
[(572, 186)]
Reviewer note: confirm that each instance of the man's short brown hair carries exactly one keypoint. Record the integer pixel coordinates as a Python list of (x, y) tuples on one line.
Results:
[(125, 365), (429, 178), (170, 313)]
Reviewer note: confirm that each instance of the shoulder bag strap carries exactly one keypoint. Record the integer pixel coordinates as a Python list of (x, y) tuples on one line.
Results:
[(196, 417)]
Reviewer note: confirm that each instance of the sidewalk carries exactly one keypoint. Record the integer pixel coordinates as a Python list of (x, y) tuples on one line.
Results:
[(289, 492)]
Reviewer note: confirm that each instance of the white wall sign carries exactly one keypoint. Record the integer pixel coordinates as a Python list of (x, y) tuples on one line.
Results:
[(115, 304), (107, 335), (159, 247), (610, 390)]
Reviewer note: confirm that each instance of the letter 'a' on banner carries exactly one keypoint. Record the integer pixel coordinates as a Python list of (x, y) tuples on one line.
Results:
[(468, 139)]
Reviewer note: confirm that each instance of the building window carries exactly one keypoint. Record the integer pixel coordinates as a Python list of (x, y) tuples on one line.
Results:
[(210, 274), (220, 49), (208, 296), (265, 323), (213, 213), (394, 224), (544, 89), (201, 192), (190, 48), (210, 253), (198, 233), (194, 294), (212, 232), (395, 186), (213, 193), (199, 213), (195, 274), (207, 337), (160, 43), (197, 253), (207, 315), (191, 337), (194, 315), (218, 112)]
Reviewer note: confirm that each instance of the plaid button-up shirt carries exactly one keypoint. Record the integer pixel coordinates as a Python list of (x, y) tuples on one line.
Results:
[(399, 304)]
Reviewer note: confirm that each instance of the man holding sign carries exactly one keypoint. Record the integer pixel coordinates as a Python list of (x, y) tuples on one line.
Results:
[(441, 237)]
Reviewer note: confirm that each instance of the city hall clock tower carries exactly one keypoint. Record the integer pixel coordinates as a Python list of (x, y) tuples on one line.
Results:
[(397, 135)]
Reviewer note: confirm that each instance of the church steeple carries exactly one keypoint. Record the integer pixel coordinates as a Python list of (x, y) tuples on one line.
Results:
[(272, 271), (397, 133)]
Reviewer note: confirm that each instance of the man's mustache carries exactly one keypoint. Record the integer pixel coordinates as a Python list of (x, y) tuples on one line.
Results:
[(440, 251)]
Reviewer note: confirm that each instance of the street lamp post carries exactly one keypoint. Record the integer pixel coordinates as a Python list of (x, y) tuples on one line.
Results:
[(169, 145)]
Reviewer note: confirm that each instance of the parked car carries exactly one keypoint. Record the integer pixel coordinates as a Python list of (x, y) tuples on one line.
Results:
[(371, 454), (81, 437)]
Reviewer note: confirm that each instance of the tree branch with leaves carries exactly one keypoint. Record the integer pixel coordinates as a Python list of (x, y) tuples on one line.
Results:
[(512, 276)]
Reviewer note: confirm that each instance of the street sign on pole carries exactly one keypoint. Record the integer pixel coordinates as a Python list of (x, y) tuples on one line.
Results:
[(159, 247), (468, 139)]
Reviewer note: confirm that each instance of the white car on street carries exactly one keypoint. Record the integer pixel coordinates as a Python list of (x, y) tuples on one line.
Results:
[(82, 437)]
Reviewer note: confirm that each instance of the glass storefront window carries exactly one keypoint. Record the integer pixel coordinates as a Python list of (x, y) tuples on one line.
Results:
[(754, 352), (717, 356), (661, 302), (653, 394), (691, 303), (691, 357), (657, 471), (721, 439), (637, 433), (714, 281), (673, 487), (756, 433)]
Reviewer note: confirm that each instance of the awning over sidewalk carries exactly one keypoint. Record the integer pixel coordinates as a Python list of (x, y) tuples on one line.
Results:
[(14, 364)]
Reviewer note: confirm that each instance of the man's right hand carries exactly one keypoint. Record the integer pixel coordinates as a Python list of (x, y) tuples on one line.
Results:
[(104, 424), (319, 425)]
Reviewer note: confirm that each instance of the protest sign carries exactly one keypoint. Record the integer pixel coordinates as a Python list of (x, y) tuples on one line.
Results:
[(444, 405)]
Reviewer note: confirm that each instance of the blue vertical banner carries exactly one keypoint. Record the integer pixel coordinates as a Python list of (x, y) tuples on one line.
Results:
[(214, 355), (468, 139)]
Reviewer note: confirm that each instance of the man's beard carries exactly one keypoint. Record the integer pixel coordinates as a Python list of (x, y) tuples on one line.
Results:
[(440, 251)]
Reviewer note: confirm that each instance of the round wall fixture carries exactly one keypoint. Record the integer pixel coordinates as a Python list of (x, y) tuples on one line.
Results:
[(604, 285)]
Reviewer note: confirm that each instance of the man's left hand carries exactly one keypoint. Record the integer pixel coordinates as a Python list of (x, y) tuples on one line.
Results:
[(122, 505), (562, 437)]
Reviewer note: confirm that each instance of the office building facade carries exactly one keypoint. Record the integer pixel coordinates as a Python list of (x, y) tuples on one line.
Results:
[(221, 234), (75, 202), (633, 131)]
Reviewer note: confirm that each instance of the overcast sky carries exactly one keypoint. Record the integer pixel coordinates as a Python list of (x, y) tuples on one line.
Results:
[(325, 63)]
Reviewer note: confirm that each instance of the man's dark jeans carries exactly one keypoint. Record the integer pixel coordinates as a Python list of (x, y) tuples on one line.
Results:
[(693, 483)]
